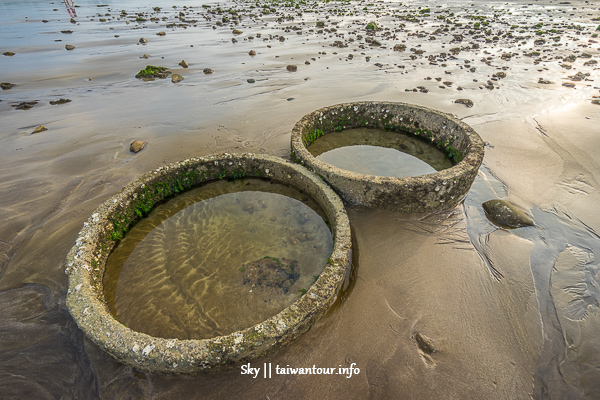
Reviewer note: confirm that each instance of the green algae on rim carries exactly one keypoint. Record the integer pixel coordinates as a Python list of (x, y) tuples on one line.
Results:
[(85, 265), (440, 190)]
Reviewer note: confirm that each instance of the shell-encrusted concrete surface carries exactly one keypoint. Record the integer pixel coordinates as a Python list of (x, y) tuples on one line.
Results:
[(86, 261), (425, 193)]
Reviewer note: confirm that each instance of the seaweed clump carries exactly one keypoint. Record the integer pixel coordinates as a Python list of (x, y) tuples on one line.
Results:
[(152, 72), (271, 272)]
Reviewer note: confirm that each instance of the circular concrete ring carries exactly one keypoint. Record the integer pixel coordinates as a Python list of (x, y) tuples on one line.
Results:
[(86, 261), (440, 190)]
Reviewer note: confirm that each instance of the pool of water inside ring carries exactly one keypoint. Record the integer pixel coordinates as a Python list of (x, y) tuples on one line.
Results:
[(217, 259), (378, 152)]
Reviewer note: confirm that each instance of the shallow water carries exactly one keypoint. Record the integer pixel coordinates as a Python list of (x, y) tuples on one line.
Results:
[(179, 273), (517, 336), (378, 152)]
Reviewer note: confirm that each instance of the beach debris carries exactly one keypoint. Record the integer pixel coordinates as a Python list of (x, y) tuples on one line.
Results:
[(544, 81), (292, 68), (8, 53), (137, 145), (59, 101), (466, 102), (152, 72), (161, 33), (6, 85), (425, 343), (25, 105), (176, 78), (250, 80), (183, 64), (39, 129), (505, 214), (252, 53), (207, 71), (69, 47), (143, 40), (146, 56), (270, 272), (68, 31)]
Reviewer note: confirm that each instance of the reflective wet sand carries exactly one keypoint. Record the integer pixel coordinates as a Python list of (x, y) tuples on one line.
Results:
[(513, 314)]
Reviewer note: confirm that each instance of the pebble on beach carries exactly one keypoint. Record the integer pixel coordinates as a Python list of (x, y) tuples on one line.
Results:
[(176, 78), (137, 145), (69, 47), (505, 214), (6, 85), (39, 129), (183, 64)]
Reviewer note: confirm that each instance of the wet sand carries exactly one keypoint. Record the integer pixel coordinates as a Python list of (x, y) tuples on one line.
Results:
[(512, 313)]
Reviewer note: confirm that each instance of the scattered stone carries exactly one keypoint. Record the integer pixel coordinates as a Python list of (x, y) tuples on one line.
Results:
[(501, 75), (152, 72), (466, 102), (292, 68), (250, 80), (425, 344), (207, 71), (8, 53), (59, 101), (183, 64), (26, 105), (176, 78), (6, 85), (39, 129), (271, 273), (145, 56), (544, 81), (161, 33), (236, 32), (69, 47), (596, 101), (252, 53), (569, 84), (137, 145), (143, 40), (281, 39), (67, 31), (372, 26), (503, 213)]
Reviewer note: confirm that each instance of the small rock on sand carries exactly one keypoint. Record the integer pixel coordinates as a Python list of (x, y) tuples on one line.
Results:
[(6, 85), (207, 71), (69, 47), (143, 40), (503, 213), (425, 344), (176, 78), (8, 53), (39, 129), (183, 64), (292, 68), (137, 145), (59, 101), (466, 102)]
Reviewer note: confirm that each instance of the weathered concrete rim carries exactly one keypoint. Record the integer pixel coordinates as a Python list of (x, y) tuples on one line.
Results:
[(425, 193), (86, 261)]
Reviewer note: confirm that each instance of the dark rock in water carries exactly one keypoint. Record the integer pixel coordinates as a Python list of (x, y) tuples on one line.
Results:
[(26, 105), (6, 85), (183, 64), (400, 47), (252, 53), (8, 53), (152, 72), (176, 78), (505, 214), (137, 145), (143, 40), (250, 80), (466, 102), (60, 101), (39, 129), (68, 31), (544, 81), (161, 33), (425, 344), (292, 68), (207, 71), (271, 272), (69, 47), (146, 56), (236, 32)]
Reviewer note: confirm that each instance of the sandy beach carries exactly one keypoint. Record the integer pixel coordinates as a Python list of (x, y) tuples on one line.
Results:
[(514, 314)]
